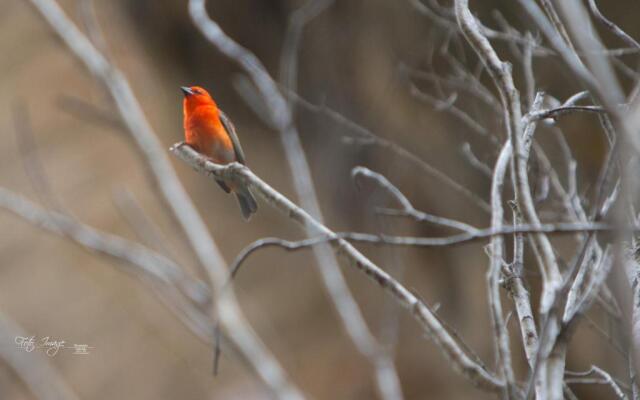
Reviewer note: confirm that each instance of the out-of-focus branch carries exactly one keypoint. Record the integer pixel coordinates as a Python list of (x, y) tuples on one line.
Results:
[(467, 152), (553, 16), (445, 18), (280, 116), (175, 196), (462, 81), (241, 174), (387, 379), (615, 29), (365, 136), (558, 43), (607, 89), (34, 369), (144, 260), (609, 93), (449, 107), (407, 207), (171, 287), (136, 123), (86, 111), (297, 22), (30, 157), (607, 379), (146, 263), (602, 82), (593, 283)]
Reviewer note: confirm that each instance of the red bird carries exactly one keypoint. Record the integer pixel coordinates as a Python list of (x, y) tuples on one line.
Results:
[(208, 130)]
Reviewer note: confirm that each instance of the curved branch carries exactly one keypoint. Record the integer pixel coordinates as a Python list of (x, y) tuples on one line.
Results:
[(175, 196), (239, 173), (280, 115)]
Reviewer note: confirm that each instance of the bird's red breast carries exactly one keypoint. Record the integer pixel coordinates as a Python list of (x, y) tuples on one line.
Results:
[(210, 132), (203, 128)]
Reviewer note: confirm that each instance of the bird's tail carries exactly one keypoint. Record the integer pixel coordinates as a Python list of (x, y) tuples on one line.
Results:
[(247, 202)]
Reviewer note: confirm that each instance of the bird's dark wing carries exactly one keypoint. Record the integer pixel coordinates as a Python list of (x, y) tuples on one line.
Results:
[(223, 186), (231, 130)]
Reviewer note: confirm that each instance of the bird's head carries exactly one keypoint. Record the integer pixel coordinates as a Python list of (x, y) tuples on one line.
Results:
[(195, 96)]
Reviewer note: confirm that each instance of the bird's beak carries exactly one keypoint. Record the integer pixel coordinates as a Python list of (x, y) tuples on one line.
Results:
[(187, 91)]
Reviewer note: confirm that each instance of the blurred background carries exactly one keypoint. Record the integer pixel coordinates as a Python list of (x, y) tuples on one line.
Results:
[(352, 58)]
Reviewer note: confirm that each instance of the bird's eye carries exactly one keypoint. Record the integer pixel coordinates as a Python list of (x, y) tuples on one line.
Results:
[(197, 91)]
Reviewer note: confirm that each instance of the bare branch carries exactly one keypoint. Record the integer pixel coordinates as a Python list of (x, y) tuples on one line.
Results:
[(447, 21), (615, 29), (297, 22), (474, 161), (595, 370), (449, 107), (281, 118), (501, 74), (144, 260), (239, 173), (365, 136), (175, 196), (495, 268), (553, 16), (515, 283), (553, 361), (563, 110), (464, 82), (156, 269), (407, 207), (559, 44)]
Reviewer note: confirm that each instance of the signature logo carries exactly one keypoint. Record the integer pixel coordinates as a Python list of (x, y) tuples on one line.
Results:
[(50, 346)]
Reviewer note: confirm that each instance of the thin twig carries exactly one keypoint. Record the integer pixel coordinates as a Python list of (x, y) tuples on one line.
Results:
[(365, 136), (474, 161), (563, 110), (493, 275), (607, 379), (407, 207), (615, 29)]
